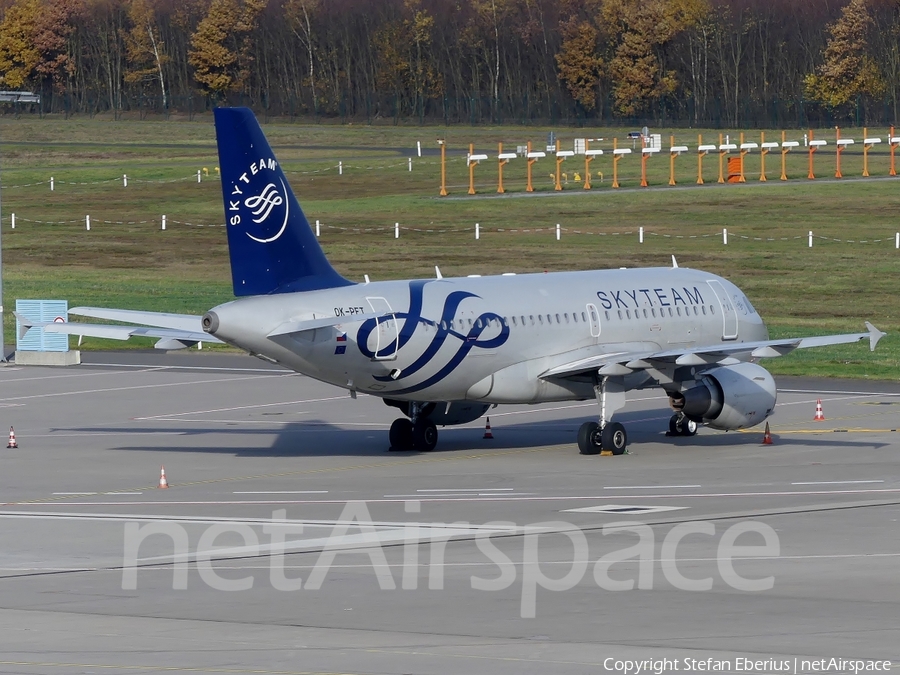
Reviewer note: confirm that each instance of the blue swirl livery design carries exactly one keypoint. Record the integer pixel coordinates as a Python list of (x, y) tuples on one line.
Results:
[(273, 249), (444, 333)]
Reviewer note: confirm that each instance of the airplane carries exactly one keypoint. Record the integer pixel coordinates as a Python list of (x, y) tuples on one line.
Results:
[(444, 350)]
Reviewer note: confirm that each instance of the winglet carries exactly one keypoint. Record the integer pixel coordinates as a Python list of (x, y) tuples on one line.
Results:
[(437, 271), (874, 336), (674, 262)]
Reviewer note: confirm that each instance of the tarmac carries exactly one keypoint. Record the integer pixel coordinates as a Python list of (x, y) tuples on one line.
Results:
[(291, 540)]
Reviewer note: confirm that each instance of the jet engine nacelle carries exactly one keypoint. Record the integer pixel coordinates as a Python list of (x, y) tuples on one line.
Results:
[(729, 397), (444, 415)]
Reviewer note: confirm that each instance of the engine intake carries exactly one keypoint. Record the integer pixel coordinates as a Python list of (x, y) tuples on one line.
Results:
[(729, 397)]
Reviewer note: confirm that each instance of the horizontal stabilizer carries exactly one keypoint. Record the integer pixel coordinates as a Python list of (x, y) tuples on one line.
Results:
[(112, 332), (189, 322)]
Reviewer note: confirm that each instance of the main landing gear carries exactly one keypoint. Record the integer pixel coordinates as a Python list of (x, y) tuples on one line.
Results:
[(416, 433), (682, 425), (594, 437)]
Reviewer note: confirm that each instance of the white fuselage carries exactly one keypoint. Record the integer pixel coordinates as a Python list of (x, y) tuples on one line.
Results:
[(489, 338)]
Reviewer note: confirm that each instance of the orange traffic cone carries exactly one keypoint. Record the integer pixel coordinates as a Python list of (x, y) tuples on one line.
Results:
[(12, 439), (767, 437), (487, 429), (163, 483), (820, 414)]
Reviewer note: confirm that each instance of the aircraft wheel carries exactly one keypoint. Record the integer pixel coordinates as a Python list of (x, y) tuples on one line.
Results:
[(687, 427), (424, 435), (401, 434), (614, 438), (673, 426), (589, 439)]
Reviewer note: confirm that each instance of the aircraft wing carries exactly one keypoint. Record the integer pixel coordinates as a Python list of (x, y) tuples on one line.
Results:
[(169, 338), (622, 363)]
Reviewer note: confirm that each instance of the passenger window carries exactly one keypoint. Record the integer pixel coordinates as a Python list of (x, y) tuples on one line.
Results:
[(557, 319), (532, 319), (478, 323), (567, 317), (670, 312), (549, 320), (541, 319), (584, 317), (470, 323), (678, 311), (607, 315), (514, 321), (575, 317), (620, 313), (645, 314), (704, 310), (712, 310), (628, 313), (696, 311), (653, 311)]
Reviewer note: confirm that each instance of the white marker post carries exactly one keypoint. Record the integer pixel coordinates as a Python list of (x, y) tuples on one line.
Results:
[(810, 238), (340, 168), (419, 148), (641, 234), (396, 230), (51, 183), (897, 240), (13, 220), (198, 175), (163, 222), (87, 223), (477, 231), (124, 180), (557, 232), (725, 236), (318, 232), (410, 164)]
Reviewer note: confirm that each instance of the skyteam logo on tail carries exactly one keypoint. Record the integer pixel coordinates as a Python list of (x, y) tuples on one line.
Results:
[(258, 202)]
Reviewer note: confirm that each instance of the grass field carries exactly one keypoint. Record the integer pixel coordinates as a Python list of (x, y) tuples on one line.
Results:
[(125, 260)]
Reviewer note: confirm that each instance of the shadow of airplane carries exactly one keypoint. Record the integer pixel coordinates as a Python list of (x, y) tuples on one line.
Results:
[(322, 438)]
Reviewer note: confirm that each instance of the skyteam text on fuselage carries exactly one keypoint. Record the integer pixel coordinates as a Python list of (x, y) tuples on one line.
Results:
[(443, 350)]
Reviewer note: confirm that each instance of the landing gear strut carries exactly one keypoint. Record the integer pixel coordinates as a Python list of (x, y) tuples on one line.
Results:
[(416, 433), (594, 437)]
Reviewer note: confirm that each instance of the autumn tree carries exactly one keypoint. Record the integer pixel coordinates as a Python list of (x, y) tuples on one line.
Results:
[(578, 62), (638, 71), (19, 56), (221, 51), (848, 70), (299, 14), (145, 50)]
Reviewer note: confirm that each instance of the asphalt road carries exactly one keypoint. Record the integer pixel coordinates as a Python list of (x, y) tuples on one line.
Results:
[(291, 540)]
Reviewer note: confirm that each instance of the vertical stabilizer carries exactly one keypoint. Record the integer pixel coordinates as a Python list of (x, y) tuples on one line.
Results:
[(272, 247)]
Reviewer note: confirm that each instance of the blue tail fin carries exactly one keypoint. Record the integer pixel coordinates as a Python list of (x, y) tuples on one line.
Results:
[(272, 247)]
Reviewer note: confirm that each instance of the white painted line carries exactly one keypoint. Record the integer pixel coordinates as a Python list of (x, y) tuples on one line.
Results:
[(467, 490), (282, 492), (241, 407), (62, 494), (624, 509), (649, 487), (472, 498), (837, 482), (818, 393), (141, 386), (467, 494), (211, 368), (123, 493)]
